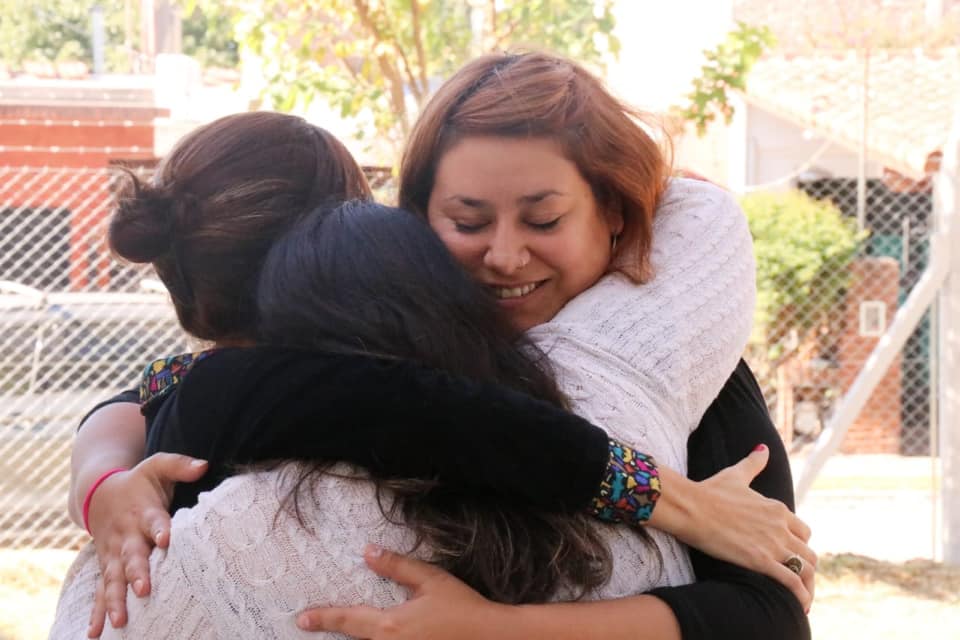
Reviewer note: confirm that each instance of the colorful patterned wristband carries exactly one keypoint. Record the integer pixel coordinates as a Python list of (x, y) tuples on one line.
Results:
[(630, 487)]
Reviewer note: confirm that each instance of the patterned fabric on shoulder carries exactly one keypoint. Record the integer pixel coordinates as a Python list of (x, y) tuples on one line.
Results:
[(165, 374)]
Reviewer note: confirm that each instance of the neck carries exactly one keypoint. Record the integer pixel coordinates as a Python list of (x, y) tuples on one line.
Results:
[(227, 343)]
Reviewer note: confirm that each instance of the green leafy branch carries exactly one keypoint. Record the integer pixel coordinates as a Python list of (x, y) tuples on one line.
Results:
[(725, 70)]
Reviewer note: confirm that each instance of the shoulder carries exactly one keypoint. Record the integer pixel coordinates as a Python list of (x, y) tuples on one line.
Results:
[(693, 195), (161, 376), (694, 212), (247, 364), (245, 541), (343, 500)]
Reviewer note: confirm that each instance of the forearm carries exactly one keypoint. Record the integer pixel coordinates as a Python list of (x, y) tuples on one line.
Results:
[(397, 419), (734, 603), (113, 436), (633, 618)]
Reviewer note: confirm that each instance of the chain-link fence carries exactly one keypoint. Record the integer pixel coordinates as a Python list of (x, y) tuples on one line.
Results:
[(836, 172), (75, 327), (828, 289)]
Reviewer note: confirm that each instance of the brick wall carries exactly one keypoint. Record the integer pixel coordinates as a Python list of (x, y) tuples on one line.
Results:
[(878, 427), (78, 136)]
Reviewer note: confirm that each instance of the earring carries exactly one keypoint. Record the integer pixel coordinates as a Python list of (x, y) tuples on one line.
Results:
[(613, 243)]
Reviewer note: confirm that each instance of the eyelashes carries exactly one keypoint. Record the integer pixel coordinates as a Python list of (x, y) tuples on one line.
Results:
[(545, 226), (464, 227)]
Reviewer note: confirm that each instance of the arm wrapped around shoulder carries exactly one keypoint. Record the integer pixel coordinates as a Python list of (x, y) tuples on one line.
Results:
[(682, 332)]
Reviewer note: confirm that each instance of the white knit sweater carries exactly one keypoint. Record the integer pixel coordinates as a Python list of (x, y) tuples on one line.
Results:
[(642, 361)]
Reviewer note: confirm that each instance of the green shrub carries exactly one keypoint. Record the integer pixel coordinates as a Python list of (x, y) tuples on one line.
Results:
[(803, 248)]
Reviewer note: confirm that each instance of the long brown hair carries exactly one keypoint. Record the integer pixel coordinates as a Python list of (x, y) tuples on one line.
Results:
[(542, 95), (215, 206)]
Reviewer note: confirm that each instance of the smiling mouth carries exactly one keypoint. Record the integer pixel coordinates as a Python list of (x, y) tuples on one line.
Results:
[(509, 293)]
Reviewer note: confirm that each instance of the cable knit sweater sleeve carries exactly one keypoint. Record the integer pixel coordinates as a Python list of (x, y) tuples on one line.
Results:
[(678, 336)]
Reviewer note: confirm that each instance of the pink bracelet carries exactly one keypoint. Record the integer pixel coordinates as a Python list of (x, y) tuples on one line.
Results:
[(89, 496)]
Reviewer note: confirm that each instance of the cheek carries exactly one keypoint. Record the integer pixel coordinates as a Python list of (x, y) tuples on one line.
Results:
[(582, 257), (467, 250)]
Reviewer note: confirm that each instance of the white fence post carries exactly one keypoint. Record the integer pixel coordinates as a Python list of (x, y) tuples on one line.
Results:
[(947, 202)]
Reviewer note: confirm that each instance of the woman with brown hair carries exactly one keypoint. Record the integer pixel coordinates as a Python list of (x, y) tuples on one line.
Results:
[(640, 289)]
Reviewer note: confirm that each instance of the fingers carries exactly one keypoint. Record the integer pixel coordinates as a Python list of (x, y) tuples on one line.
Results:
[(753, 464), (136, 565), (408, 572), (799, 528), (807, 576), (809, 572), (359, 622), (99, 614), (808, 555), (115, 593), (794, 583), (155, 526), (173, 467)]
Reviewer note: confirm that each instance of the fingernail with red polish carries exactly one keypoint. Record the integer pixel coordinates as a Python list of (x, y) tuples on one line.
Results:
[(760, 447)]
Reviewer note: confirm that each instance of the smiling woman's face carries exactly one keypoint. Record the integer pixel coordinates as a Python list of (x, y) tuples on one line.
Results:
[(523, 221)]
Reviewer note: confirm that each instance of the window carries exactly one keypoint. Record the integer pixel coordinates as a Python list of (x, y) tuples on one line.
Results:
[(873, 318)]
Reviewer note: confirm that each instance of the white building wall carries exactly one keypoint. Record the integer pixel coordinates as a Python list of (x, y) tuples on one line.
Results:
[(776, 148)]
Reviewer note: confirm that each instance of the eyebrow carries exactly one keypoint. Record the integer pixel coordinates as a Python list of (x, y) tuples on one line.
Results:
[(539, 195), (531, 198), (473, 203)]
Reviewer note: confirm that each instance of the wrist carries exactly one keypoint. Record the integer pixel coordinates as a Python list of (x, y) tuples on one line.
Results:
[(88, 497), (630, 487), (678, 507), (521, 622)]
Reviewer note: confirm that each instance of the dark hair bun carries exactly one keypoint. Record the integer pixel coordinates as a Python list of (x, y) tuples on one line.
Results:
[(141, 230)]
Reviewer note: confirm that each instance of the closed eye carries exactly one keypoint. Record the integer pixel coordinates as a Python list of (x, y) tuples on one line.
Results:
[(463, 227), (544, 226)]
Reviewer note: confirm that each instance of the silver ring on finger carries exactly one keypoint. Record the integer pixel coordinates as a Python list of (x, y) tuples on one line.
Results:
[(794, 563)]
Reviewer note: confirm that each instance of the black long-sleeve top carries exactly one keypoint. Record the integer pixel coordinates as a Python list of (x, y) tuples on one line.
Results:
[(244, 406)]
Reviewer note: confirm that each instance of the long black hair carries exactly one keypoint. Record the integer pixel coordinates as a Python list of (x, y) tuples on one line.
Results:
[(369, 279)]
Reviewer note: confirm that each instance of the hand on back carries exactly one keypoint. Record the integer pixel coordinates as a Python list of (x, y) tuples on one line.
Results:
[(127, 517)]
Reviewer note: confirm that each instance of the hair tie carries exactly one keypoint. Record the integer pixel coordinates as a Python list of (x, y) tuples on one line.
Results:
[(504, 62)]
